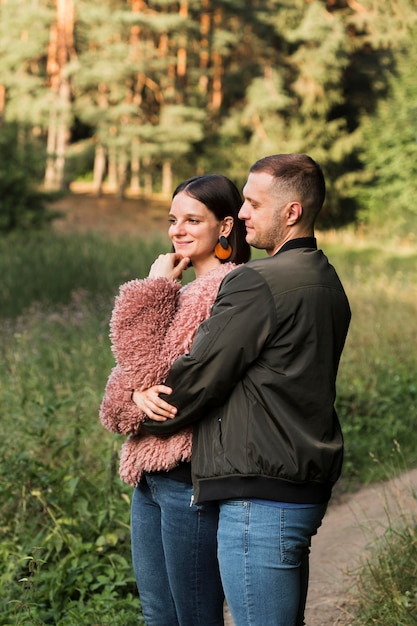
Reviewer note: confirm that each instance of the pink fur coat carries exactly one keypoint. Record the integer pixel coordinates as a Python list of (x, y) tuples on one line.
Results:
[(154, 321)]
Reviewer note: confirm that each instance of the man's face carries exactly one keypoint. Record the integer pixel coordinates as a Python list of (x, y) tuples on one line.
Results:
[(263, 213)]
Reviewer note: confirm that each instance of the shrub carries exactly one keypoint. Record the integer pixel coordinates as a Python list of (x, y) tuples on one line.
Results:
[(23, 206), (64, 538)]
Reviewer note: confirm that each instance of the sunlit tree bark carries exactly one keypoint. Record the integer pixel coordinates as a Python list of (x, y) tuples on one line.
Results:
[(60, 50), (182, 46), (217, 61), (99, 168), (167, 177), (2, 101), (205, 25)]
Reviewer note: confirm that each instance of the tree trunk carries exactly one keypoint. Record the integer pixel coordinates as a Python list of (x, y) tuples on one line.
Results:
[(148, 189), (217, 91), (112, 170), (49, 180), (167, 177), (182, 50), (121, 176), (2, 101), (205, 24), (135, 168), (63, 134), (59, 50), (99, 169)]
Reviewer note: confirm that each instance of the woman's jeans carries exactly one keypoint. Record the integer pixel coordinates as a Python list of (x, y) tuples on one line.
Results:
[(263, 556), (174, 549)]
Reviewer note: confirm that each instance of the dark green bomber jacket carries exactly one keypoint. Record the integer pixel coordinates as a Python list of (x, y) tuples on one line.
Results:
[(259, 382)]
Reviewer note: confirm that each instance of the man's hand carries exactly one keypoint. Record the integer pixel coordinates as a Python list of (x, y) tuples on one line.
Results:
[(152, 405), (169, 265)]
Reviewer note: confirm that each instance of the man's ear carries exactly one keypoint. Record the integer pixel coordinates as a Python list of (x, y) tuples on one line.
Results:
[(294, 213)]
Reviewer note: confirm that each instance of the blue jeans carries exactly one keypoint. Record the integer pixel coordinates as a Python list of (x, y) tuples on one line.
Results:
[(263, 555), (174, 549)]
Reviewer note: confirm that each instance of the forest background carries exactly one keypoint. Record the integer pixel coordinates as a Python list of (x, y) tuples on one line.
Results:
[(133, 96), (125, 99)]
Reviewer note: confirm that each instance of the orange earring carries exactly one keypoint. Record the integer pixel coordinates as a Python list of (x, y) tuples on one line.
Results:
[(223, 249)]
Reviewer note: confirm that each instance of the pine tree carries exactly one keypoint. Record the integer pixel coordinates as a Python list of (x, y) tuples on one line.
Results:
[(24, 31), (23, 206), (23, 113), (156, 90), (289, 100), (389, 154)]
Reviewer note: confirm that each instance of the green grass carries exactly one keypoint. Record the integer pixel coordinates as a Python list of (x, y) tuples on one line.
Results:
[(377, 385), (387, 585), (46, 268), (64, 536), (64, 513), (64, 530), (377, 403)]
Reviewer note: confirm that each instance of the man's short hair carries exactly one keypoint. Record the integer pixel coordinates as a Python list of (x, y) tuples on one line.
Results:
[(296, 174)]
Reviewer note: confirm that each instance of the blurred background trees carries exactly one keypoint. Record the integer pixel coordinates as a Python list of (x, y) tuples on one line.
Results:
[(138, 94)]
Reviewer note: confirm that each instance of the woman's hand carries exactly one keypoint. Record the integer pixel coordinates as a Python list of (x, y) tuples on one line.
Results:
[(169, 265), (152, 405)]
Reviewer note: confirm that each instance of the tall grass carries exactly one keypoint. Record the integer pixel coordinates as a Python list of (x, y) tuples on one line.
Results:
[(377, 403), (64, 532), (64, 537), (64, 513), (387, 581), (377, 385), (46, 268)]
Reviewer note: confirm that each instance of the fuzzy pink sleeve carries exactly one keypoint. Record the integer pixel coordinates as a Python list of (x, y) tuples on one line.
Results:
[(117, 411), (141, 315)]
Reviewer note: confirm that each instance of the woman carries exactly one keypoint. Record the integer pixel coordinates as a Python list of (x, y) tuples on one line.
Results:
[(153, 322)]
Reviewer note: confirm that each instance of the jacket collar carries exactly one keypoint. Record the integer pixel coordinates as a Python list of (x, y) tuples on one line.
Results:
[(301, 242)]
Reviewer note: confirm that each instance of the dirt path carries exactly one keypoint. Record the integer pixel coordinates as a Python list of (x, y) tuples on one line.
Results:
[(344, 541)]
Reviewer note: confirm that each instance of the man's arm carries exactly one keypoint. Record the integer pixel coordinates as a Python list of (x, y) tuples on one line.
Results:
[(225, 346)]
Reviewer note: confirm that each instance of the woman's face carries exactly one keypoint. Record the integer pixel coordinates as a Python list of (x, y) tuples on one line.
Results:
[(194, 230)]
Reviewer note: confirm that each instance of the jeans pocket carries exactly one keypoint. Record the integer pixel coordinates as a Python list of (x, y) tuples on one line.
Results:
[(297, 527)]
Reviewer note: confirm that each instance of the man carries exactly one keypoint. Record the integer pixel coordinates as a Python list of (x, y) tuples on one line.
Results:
[(259, 385)]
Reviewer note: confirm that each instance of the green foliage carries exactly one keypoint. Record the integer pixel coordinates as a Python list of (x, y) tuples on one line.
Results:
[(389, 150), (64, 538), (377, 390), (296, 102), (387, 589), (64, 532), (212, 87), (45, 268), (22, 205), (24, 35)]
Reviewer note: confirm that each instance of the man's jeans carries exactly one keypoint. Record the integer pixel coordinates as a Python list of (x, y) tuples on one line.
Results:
[(263, 556), (174, 551)]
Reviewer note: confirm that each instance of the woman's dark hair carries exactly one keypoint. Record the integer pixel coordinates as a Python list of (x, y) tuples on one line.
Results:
[(222, 198)]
